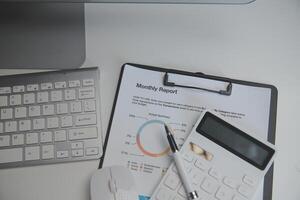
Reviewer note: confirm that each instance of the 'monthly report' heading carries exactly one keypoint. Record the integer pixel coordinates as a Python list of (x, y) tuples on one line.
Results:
[(156, 89)]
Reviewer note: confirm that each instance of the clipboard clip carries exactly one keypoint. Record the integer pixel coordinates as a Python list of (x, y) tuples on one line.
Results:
[(226, 92)]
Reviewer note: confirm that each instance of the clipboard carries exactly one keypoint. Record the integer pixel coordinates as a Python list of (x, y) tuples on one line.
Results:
[(268, 181)]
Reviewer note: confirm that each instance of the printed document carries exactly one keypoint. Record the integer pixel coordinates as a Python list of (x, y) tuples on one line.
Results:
[(137, 139)]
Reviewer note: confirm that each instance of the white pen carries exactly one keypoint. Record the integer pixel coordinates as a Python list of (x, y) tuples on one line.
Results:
[(192, 194)]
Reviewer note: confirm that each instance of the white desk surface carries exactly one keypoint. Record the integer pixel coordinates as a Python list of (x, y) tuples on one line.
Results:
[(257, 42)]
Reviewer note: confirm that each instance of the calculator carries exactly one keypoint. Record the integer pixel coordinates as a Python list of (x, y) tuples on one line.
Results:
[(222, 162)]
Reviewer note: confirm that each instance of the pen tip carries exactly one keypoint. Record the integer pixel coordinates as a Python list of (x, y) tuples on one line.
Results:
[(167, 129)]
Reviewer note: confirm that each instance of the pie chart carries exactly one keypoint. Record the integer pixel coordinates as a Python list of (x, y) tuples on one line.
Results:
[(151, 139)]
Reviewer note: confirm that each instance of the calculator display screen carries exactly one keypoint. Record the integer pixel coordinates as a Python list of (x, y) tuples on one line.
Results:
[(235, 140)]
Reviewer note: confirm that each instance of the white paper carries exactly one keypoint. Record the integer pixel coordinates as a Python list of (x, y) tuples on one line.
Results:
[(137, 139)]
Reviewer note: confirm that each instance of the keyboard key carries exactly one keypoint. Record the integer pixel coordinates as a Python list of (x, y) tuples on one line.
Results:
[(6, 113), (48, 109), (11, 155), (56, 95), (47, 151), (249, 181), (4, 140), (74, 83), (230, 182), (52, 122), (77, 145), (224, 194), (20, 112), (3, 101), (32, 153), (15, 99), (38, 124), (214, 173), (61, 108), (24, 125), (32, 138), (17, 139), (34, 111), (66, 121), (88, 82), (89, 105), (77, 153), (86, 119), (46, 86), (46, 136), (10, 126), (59, 85), (245, 191), (18, 88), (62, 154), (60, 135), (32, 87), (42, 97), (5, 90), (91, 151), (86, 93), (75, 107), (172, 181), (163, 194), (209, 186), (83, 133), (70, 94), (29, 98)]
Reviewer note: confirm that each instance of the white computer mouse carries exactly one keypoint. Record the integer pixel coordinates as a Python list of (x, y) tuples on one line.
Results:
[(113, 183)]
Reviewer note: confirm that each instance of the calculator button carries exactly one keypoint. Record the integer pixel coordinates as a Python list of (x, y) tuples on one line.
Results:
[(188, 157), (172, 181), (214, 173), (230, 182), (202, 195), (197, 179), (182, 192), (201, 165), (209, 186), (224, 194), (245, 191), (163, 194), (249, 181)]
